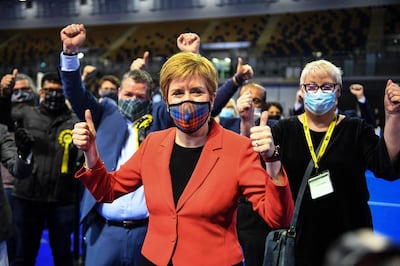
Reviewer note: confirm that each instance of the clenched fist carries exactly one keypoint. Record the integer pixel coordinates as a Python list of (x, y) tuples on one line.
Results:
[(72, 37)]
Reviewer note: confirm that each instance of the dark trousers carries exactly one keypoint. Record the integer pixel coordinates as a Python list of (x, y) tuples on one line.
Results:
[(31, 219), (11, 242)]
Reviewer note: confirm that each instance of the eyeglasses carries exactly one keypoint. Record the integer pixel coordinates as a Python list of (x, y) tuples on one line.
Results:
[(257, 101), (326, 87)]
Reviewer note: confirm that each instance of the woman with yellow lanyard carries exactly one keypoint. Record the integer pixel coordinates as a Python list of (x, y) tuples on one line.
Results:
[(336, 198)]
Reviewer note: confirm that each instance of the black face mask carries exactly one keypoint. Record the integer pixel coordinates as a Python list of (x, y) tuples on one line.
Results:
[(54, 100), (274, 117), (109, 94)]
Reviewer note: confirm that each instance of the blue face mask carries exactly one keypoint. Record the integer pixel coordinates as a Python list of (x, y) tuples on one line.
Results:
[(227, 112), (319, 103)]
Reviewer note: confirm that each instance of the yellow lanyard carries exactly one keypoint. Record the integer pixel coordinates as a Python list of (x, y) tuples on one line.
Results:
[(325, 141)]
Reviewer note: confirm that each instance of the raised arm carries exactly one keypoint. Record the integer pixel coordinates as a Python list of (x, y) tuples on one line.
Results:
[(366, 112), (72, 37), (6, 88), (392, 119), (228, 89), (188, 42)]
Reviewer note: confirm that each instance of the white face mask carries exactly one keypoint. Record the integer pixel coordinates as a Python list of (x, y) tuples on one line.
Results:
[(257, 113), (319, 103)]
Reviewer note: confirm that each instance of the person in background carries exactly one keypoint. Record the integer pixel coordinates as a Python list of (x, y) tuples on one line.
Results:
[(336, 198), (125, 125), (108, 87), (252, 95), (275, 110), (16, 157), (10, 165), (46, 199), (230, 110), (298, 106), (24, 91), (258, 95), (189, 217), (363, 109), (229, 115), (21, 91), (90, 77), (251, 227)]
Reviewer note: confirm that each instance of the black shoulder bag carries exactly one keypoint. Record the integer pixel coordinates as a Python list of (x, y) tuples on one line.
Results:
[(280, 243)]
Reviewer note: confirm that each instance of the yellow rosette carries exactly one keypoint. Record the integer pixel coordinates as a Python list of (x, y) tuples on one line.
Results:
[(65, 139)]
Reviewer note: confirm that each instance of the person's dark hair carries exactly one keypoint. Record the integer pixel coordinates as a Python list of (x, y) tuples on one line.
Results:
[(276, 104), (52, 77), (111, 78)]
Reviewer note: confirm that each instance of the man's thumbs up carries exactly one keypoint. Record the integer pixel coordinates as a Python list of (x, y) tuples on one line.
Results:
[(146, 57), (7, 83), (264, 118), (15, 72), (90, 124), (140, 62), (243, 71)]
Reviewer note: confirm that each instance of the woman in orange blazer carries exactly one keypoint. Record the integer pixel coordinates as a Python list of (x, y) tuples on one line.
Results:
[(193, 174)]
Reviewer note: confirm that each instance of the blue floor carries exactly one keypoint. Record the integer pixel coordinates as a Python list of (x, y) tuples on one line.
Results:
[(44, 257), (384, 202), (385, 206)]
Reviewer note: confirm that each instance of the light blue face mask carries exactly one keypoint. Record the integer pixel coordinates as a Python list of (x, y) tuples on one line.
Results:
[(227, 112), (319, 103)]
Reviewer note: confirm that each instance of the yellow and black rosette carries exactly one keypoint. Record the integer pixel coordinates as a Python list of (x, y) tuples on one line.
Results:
[(65, 139), (140, 125)]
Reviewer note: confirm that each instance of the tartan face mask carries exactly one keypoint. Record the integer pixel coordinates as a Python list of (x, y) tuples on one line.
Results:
[(189, 116), (134, 109)]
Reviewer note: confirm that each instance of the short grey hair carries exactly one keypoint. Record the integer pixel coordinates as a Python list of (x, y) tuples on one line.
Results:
[(21, 76), (319, 66)]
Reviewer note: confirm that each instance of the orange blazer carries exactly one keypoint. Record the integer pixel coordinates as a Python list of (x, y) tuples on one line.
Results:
[(201, 229)]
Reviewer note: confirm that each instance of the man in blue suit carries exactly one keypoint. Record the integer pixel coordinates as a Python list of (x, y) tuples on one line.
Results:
[(115, 231)]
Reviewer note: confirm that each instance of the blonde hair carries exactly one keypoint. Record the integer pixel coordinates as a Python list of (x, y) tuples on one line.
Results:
[(183, 65), (232, 104)]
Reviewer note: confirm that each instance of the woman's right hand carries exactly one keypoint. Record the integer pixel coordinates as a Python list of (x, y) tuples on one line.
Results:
[(84, 137)]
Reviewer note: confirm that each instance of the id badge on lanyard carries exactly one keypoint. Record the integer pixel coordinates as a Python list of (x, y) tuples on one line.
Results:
[(320, 184)]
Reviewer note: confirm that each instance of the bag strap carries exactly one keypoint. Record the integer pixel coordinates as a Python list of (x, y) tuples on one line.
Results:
[(300, 194)]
